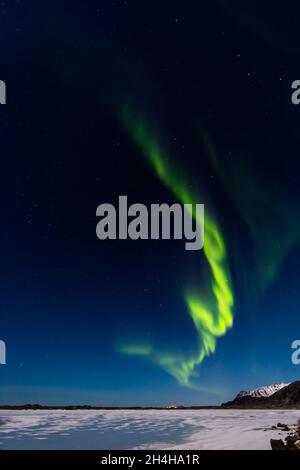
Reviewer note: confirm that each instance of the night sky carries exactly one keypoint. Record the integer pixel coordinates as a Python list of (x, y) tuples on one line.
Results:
[(94, 89)]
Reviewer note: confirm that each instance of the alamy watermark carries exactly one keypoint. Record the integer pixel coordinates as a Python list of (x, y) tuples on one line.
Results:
[(2, 92), (2, 353), (296, 93), (296, 354), (137, 222), (2, 343)]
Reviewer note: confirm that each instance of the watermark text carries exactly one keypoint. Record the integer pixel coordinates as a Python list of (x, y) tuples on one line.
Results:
[(138, 222)]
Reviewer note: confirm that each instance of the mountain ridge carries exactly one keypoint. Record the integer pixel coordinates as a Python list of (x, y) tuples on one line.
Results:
[(287, 396), (264, 391)]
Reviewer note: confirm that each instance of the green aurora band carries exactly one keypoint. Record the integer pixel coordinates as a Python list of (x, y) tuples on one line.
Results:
[(272, 219), (211, 318)]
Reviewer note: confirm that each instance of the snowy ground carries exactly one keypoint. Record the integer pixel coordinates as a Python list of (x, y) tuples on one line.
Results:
[(173, 429)]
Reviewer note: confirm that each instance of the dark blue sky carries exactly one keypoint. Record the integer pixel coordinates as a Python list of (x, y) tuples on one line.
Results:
[(67, 300)]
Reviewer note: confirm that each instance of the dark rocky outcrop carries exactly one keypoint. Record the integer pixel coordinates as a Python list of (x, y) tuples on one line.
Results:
[(291, 442)]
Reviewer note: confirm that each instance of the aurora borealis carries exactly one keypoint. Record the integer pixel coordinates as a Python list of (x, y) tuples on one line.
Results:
[(165, 103), (211, 320)]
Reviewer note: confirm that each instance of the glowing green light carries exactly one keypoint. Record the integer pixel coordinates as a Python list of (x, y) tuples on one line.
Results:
[(211, 318)]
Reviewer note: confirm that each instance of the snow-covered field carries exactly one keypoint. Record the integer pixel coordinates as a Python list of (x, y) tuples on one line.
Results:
[(170, 429)]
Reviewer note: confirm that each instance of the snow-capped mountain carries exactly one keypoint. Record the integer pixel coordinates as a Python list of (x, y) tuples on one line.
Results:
[(277, 396), (262, 392)]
